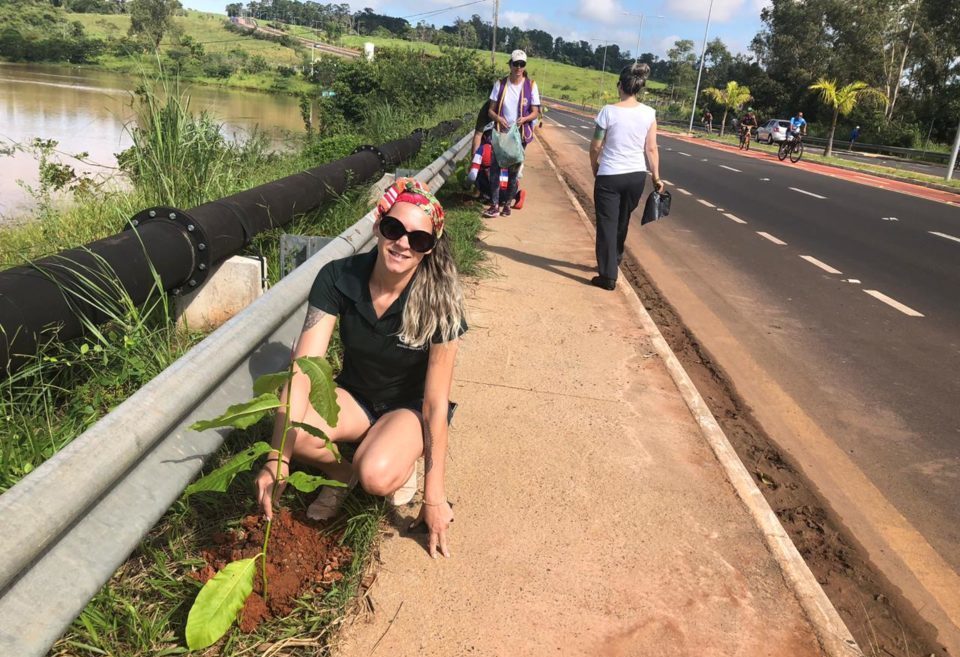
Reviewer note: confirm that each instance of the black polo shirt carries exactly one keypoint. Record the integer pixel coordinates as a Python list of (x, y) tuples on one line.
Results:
[(376, 366)]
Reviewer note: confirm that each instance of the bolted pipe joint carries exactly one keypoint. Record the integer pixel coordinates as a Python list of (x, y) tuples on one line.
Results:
[(193, 231)]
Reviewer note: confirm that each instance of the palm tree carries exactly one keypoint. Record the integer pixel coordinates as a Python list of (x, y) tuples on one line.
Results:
[(732, 98), (843, 100)]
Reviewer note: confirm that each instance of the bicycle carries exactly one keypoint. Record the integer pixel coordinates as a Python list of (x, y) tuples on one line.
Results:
[(791, 147)]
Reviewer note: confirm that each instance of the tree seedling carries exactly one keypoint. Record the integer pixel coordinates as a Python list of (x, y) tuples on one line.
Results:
[(223, 596)]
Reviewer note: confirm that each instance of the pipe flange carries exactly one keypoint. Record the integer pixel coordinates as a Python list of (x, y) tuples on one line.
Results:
[(194, 232), (376, 151)]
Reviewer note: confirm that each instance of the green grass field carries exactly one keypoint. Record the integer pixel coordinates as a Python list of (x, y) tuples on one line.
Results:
[(207, 29), (553, 78)]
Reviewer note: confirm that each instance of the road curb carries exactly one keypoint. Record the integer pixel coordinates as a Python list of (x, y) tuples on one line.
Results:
[(832, 633)]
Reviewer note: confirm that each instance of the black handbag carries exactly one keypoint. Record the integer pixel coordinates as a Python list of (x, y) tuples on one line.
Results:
[(657, 206)]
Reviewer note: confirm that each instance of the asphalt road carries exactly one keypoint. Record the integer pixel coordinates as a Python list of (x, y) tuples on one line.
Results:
[(839, 150), (846, 296)]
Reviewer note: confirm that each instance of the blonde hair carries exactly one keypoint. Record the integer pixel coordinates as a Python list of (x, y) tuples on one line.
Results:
[(435, 305)]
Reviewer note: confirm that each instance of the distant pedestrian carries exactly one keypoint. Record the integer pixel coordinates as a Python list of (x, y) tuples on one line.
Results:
[(623, 149), (708, 122), (854, 136), (515, 100)]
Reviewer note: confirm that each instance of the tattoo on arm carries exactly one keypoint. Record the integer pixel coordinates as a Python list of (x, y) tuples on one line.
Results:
[(427, 448), (314, 315), (599, 133)]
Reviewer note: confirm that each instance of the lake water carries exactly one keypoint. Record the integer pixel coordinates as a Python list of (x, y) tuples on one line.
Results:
[(86, 110)]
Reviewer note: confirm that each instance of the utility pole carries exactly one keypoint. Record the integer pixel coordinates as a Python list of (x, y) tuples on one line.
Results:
[(703, 55), (640, 33), (493, 43), (603, 69), (953, 156)]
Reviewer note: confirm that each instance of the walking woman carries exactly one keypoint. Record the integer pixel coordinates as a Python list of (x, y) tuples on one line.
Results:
[(401, 316), (623, 149)]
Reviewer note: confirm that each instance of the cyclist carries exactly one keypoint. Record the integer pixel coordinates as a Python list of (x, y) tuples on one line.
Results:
[(798, 125), (747, 123)]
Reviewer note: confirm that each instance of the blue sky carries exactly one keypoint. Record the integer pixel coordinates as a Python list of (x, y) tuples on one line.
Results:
[(734, 21)]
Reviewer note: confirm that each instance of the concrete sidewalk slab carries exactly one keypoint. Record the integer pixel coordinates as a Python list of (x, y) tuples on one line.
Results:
[(593, 518)]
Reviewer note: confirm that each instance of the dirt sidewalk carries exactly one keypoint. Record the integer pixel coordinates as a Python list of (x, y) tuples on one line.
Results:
[(592, 517)]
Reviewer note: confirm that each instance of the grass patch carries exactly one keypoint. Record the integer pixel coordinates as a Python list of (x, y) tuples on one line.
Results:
[(209, 31), (203, 27), (143, 609)]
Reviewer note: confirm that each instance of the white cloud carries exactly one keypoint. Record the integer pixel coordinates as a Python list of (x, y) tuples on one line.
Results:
[(520, 19), (723, 10), (608, 12)]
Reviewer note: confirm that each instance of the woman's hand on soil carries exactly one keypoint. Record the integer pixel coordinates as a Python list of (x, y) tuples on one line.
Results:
[(437, 519), (264, 486)]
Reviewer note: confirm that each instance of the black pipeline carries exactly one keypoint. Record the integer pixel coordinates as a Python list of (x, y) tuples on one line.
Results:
[(47, 298)]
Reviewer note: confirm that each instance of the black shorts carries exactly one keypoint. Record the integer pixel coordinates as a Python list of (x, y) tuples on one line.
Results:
[(376, 410)]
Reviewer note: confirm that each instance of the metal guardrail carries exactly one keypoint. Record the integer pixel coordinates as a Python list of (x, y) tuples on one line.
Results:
[(69, 524)]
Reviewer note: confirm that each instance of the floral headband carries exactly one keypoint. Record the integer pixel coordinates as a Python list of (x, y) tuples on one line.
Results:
[(412, 191)]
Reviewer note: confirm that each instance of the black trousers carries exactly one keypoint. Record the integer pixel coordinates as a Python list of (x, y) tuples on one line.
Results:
[(614, 199)]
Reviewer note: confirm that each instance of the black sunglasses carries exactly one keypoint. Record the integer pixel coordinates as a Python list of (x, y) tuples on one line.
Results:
[(420, 240), (518, 64)]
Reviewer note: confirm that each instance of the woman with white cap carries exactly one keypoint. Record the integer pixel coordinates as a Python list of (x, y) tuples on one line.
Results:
[(515, 99)]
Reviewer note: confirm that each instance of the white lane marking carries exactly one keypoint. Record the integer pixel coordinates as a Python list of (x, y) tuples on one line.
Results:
[(734, 218), (684, 154), (582, 137), (669, 149), (703, 159), (768, 236), (803, 191), (706, 203), (665, 181), (856, 281), (944, 235), (560, 125), (906, 310), (724, 166), (822, 265), (889, 218), (765, 180), (719, 209), (683, 191)]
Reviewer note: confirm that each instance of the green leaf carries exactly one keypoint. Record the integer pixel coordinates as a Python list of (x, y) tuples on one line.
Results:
[(219, 602), (242, 415), (315, 431), (270, 382), (323, 391), (219, 480), (308, 483)]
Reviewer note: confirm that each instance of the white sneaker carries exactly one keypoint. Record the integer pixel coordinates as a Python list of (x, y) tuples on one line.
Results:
[(405, 493), (328, 501)]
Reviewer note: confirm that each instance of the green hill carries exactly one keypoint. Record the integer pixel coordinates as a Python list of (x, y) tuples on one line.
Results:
[(554, 79)]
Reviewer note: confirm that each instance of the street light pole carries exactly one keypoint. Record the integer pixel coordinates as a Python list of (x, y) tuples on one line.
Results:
[(703, 54), (493, 43), (953, 156), (640, 33)]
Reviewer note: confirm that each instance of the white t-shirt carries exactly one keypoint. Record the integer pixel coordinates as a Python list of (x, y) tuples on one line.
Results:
[(626, 135), (511, 99)]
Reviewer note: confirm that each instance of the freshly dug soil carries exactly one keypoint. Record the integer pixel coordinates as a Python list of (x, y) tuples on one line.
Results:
[(300, 558)]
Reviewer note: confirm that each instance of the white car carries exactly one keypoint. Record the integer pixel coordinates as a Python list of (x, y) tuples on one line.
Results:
[(773, 130)]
